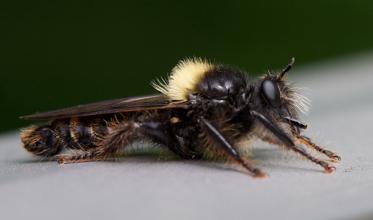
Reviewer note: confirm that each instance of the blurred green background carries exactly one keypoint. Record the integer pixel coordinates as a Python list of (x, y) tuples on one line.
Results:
[(57, 54)]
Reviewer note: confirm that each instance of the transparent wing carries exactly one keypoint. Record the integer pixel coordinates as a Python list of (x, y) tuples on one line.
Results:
[(130, 104)]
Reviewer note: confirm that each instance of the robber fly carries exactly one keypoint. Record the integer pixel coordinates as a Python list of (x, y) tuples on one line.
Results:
[(202, 111)]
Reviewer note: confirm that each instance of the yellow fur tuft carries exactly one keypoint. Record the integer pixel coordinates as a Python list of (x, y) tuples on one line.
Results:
[(183, 79)]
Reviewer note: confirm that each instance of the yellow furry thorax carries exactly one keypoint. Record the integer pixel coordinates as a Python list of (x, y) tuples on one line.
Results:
[(183, 78), (188, 73)]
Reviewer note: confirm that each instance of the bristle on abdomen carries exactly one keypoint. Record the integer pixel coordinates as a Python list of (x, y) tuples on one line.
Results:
[(40, 141), (73, 133)]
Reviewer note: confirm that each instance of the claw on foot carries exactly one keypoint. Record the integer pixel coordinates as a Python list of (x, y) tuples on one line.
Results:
[(336, 158), (333, 157), (332, 161), (260, 175), (62, 159), (257, 173), (330, 169)]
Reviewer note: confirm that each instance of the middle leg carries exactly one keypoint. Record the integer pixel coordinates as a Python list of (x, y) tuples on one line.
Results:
[(220, 141)]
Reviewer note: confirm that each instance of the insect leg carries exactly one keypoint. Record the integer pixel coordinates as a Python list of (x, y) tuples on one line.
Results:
[(120, 136), (77, 156), (288, 142), (156, 131), (307, 141), (126, 133), (296, 123), (221, 141), (161, 133)]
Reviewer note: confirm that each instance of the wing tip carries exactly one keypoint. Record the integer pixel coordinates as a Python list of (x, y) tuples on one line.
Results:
[(35, 116), (26, 117)]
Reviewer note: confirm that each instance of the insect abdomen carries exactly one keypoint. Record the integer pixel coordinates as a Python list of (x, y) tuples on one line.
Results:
[(41, 141), (76, 133)]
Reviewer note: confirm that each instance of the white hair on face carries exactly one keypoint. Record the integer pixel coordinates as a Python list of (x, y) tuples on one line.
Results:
[(299, 102), (183, 79), (302, 103)]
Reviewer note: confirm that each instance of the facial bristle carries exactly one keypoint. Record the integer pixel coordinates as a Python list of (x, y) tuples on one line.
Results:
[(183, 78), (300, 102)]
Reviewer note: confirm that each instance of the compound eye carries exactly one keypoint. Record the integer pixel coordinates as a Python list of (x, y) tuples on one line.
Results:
[(271, 92)]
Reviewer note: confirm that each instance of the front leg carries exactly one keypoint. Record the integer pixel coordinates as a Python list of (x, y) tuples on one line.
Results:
[(288, 142), (308, 142)]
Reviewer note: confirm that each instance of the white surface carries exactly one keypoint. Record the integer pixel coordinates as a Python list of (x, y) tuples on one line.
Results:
[(148, 188)]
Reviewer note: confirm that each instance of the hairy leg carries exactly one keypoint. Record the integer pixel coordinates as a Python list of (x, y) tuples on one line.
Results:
[(288, 142), (123, 135), (77, 156), (119, 137), (220, 141), (327, 167), (161, 133), (307, 142)]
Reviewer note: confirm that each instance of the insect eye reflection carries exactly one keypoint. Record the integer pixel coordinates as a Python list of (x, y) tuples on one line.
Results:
[(271, 92)]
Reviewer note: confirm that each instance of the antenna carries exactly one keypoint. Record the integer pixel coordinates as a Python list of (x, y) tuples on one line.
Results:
[(287, 68)]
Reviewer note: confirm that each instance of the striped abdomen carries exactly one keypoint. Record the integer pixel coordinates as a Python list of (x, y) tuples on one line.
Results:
[(74, 133)]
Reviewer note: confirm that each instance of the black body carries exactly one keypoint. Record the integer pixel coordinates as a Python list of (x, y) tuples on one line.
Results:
[(225, 109)]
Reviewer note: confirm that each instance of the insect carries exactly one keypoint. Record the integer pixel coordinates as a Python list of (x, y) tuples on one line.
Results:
[(202, 110)]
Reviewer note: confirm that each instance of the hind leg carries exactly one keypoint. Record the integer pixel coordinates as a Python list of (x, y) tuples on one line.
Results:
[(120, 136), (124, 135), (77, 156)]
